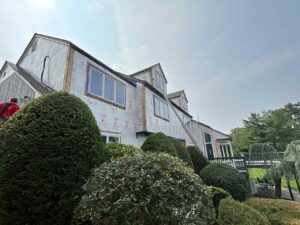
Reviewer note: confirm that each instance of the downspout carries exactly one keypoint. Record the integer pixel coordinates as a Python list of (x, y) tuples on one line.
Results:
[(42, 74)]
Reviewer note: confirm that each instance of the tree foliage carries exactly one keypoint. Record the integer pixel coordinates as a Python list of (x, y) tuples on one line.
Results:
[(46, 152), (146, 188), (117, 150)]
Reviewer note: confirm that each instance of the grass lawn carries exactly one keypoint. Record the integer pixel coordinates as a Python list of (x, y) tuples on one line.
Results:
[(260, 172), (278, 211)]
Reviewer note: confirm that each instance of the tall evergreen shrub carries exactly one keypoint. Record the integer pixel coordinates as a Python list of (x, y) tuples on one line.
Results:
[(198, 159)]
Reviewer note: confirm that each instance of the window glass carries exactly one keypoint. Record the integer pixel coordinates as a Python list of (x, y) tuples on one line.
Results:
[(120, 93), (95, 82), (159, 81), (103, 138), (113, 139), (156, 106), (161, 108), (207, 137), (109, 88)]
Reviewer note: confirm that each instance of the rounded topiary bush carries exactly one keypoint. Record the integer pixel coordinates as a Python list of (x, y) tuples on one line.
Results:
[(117, 150), (146, 188), (159, 142), (235, 213), (217, 195), (226, 177), (182, 152), (198, 159), (47, 151)]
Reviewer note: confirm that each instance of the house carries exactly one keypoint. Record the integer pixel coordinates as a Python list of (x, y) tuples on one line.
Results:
[(127, 107)]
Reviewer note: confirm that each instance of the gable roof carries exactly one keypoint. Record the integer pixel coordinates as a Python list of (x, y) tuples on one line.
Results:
[(177, 94), (75, 47), (149, 68), (28, 77), (203, 124)]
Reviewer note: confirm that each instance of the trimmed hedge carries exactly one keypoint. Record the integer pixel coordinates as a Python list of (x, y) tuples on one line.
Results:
[(117, 150), (198, 159), (217, 195), (159, 142), (47, 151), (182, 152), (146, 188), (226, 177), (236, 213)]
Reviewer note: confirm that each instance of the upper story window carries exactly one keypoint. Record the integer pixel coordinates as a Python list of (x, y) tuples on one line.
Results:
[(161, 108), (159, 81), (208, 145), (105, 87)]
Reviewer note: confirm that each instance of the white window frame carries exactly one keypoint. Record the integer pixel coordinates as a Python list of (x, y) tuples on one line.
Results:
[(101, 97), (161, 113), (159, 81), (206, 143), (224, 149), (111, 134)]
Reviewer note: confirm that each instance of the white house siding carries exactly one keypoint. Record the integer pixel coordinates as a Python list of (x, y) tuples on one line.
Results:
[(172, 128), (13, 86), (197, 130), (55, 66), (109, 118), (144, 76)]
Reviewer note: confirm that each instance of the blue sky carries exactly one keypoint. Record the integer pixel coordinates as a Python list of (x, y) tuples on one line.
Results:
[(231, 57)]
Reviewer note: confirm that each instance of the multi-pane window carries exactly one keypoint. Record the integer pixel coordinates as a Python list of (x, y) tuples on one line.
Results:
[(208, 145), (161, 108), (225, 150), (159, 81), (106, 87), (106, 138)]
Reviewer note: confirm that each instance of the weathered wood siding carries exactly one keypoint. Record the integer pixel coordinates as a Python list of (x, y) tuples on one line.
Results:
[(55, 66)]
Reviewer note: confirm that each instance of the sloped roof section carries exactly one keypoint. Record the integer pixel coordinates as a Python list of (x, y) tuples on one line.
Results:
[(30, 79), (148, 68), (175, 94)]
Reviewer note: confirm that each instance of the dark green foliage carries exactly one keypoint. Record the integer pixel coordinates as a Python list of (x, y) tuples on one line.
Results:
[(47, 151), (236, 213), (226, 177), (116, 150), (159, 142), (146, 188), (265, 193), (217, 195), (198, 159), (182, 152)]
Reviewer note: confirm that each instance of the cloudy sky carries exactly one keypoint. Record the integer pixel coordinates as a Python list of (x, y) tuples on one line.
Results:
[(232, 57)]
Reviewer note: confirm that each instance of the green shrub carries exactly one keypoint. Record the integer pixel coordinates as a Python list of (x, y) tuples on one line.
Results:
[(159, 142), (226, 177), (265, 193), (236, 213), (146, 188), (198, 159), (217, 195), (182, 152), (116, 150), (47, 151), (278, 211)]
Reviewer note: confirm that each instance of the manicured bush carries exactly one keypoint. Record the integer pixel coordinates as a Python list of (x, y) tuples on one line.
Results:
[(198, 159), (236, 213), (47, 151), (226, 177), (159, 142), (116, 150), (217, 195), (182, 152), (146, 188), (278, 211)]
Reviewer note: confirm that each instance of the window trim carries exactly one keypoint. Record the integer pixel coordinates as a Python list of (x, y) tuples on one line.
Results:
[(86, 88), (108, 134), (166, 119), (206, 143)]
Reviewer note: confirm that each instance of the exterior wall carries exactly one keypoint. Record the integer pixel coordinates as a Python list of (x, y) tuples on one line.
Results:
[(146, 76), (13, 86), (172, 127), (176, 101), (197, 130), (110, 118), (55, 66)]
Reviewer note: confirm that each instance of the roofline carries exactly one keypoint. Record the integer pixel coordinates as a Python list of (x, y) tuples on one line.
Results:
[(180, 109), (211, 128), (148, 68), (75, 47), (178, 95)]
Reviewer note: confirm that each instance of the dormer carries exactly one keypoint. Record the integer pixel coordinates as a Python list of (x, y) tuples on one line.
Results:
[(180, 99), (155, 76)]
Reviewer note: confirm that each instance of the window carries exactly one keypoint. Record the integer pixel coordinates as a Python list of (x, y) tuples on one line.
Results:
[(159, 81), (208, 145), (225, 150), (161, 108), (184, 103), (106, 87), (110, 138)]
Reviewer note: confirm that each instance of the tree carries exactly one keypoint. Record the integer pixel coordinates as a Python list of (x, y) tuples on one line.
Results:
[(241, 140)]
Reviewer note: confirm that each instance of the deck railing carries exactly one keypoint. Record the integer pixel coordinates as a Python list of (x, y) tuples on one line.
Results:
[(236, 162)]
